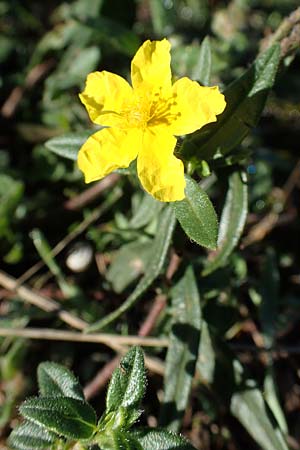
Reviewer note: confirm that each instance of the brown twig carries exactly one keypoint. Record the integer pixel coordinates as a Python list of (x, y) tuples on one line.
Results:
[(111, 340), (91, 193), (35, 74), (41, 301), (149, 323), (174, 263), (258, 231)]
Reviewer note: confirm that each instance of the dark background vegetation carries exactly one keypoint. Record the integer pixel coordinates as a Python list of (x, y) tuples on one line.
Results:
[(46, 50)]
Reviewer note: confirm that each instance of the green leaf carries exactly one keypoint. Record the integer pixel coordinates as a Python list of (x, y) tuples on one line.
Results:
[(163, 17), (182, 352), (29, 436), (128, 383), (118, 440), (248, 407), (55, 380), (146, 212), (113, 34), (160, 248), (11, 192), (206, 362), (193, 61), (159, 439), (45, 252), (66, 416), (271, 397), (232, 221), (197, 216), (73, 68), (68, 145), (245, 99), (134, 256), (229, 382), (202, 71)]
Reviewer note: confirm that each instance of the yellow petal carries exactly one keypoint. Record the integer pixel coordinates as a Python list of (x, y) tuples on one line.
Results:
[(105, 96), (107, 150), (160, 172), (150, 66), (195, 105)]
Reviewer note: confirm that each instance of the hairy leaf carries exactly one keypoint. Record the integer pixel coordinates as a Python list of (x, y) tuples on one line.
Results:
[(66, 416), (56, 380), (127, 385), (159, 439), (119, 440), (29, 436), (197, 216)]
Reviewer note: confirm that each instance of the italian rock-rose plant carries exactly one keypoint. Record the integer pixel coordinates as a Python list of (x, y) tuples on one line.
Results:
[(142, 120)]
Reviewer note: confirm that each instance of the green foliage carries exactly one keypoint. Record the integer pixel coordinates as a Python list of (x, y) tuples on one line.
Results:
[(55, 380), (157, 258), (65, 416), (68, 145), (249, 408), (183, 350), (127, 386), (60, 415), (245, 100), (197, 216), (160, 439), (232, 221), (214, 278)]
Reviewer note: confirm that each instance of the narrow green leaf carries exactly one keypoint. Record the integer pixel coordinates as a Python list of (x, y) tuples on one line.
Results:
[(197, 216), (128, 383), (206, 362), (66, 416), (160, 248), (248, 407), (56, 380), (45, 252), (159, 439), (232, 221), (202, 70), (182, 352), (30, 436), (68, 145), (271, 397), (245, 100)]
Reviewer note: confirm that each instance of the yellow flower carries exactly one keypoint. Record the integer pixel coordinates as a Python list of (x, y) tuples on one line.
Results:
[(142, 120)]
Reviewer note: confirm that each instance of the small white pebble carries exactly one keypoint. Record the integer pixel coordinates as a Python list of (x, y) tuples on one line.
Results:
[(80, 257)]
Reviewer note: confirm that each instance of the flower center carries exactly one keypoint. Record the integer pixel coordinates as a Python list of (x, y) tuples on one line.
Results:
[(151, 110)]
